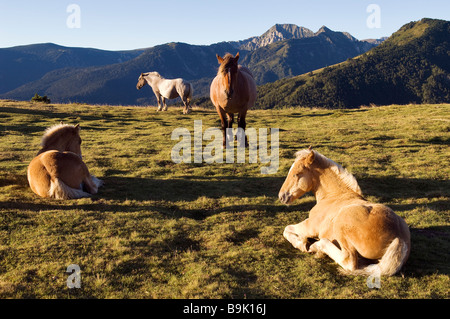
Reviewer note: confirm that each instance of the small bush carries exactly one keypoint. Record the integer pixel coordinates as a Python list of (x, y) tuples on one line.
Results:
[(38, 98)]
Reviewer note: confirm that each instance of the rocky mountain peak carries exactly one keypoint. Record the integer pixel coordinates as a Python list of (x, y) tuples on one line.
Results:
[(278, 32), (324, 29), (287, 31)]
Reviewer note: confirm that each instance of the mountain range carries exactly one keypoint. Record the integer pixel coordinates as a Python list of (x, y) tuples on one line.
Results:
[(411, 66), (24, 64), (109, 77)]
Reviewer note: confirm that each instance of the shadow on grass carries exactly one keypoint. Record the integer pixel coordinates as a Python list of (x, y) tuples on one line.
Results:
[(168, 211), (49, 113), (189, 189), (388, 188), (36, 126), (430, 245), (430, 248)]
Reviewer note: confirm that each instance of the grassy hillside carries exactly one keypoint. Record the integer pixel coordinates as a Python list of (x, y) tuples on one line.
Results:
[(164, 230)]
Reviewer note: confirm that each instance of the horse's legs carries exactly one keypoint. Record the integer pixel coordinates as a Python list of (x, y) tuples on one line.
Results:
[(346, 257), (89, 185), (230, 119), (92, 183), (164, 102), (186, 109), (298, 234), (243, 124), (158, 98), (188, 105), (223, 123)]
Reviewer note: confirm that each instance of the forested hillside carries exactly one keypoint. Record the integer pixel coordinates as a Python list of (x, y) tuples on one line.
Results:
[(412, 66)]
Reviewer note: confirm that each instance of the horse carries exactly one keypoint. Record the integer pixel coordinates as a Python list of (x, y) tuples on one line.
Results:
[(364, 238), (233, 90), (167, 89), (58, 170)]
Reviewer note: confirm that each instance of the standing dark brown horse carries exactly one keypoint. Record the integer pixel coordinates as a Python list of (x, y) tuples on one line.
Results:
[(233, 90)]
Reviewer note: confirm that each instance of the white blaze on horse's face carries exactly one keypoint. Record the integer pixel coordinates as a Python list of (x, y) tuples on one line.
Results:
[(298, 181)]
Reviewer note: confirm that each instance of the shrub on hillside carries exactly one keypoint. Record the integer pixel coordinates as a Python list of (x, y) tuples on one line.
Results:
[(38, 98)]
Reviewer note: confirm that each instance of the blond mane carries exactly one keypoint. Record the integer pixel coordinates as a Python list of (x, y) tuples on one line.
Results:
[(53, 131), (347, 178)]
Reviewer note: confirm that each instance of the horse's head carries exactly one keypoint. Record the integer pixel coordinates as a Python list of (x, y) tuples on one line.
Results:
[(300, 177), (141, 81), (229, 69), (62, 137)]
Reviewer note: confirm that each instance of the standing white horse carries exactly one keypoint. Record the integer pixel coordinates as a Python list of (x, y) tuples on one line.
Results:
[(167, 89)]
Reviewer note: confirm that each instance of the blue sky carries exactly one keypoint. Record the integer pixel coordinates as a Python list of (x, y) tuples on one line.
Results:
[(132, 24)]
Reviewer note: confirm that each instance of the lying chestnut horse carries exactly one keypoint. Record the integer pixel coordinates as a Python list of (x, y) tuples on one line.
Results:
[(58, 170), (349, 229)]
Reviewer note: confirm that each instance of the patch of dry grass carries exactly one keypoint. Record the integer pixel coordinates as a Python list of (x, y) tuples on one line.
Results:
[(163, 230)]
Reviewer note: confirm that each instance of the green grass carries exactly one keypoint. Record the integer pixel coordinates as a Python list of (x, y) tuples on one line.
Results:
[(163, 230)]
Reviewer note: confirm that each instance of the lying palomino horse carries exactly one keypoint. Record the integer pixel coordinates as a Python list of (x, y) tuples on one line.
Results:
[(233, 90), (349, 229), (167, 89), (58, 170)]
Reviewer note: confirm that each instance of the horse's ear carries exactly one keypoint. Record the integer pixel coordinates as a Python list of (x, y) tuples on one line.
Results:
[(78, 127), (310, 158), (219, 58), (310, 148), (237, 57)]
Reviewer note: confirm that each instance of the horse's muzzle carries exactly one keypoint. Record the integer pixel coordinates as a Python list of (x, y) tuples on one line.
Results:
[(284, 197), (229, 94)]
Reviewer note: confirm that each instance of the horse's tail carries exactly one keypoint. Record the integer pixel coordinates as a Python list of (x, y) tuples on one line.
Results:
[(394, 257), (59, 190), (392, 261)]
